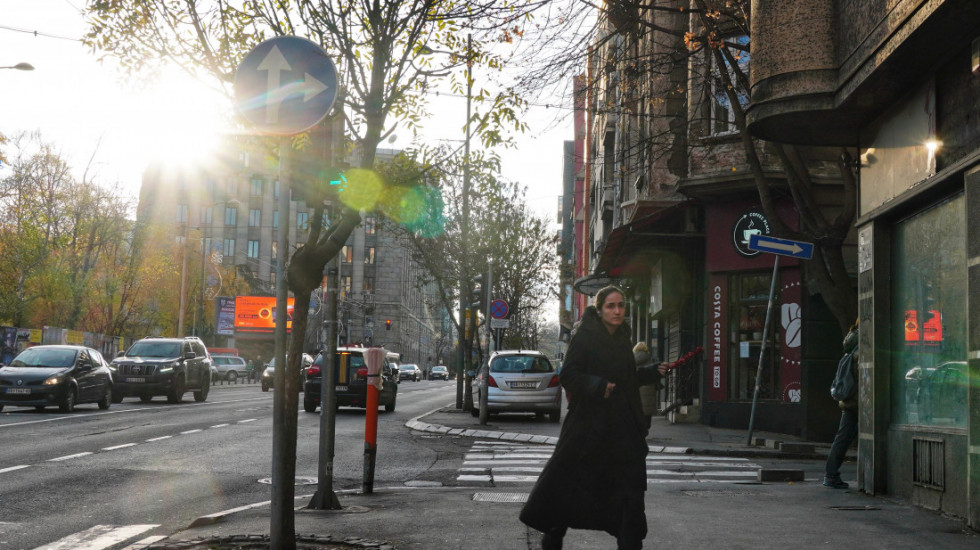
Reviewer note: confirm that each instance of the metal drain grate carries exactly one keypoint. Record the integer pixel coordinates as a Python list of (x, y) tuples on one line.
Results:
[(721, 493), (500, 497), (928, 463)]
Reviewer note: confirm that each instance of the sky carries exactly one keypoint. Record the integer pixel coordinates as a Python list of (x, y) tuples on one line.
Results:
[(113, 125)]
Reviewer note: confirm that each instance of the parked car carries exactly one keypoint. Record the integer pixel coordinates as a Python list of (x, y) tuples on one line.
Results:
[(409, 371), (162, 366), (518, 381), (269, 373), (439, 373), (350, 386), (230, 367), (62, 376), (944, 393)]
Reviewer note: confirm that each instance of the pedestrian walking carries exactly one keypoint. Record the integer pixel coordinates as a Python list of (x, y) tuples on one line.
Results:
[(845, 390), (597, 475), (257, 369)]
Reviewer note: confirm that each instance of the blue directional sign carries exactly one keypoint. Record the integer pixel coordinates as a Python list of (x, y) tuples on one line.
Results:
[(783, 247), (285, 85)]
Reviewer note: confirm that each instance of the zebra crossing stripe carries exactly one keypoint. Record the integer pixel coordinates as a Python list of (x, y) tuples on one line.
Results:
[(98, 537)]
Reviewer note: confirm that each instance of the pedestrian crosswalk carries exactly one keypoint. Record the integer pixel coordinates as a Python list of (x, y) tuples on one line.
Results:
[(508, 463), (100, 537)]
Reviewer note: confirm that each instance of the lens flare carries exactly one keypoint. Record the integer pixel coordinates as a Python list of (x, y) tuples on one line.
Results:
[(363, 189)]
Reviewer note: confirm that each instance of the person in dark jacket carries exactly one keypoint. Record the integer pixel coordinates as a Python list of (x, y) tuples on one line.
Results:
[(848, 428), (596, 477)]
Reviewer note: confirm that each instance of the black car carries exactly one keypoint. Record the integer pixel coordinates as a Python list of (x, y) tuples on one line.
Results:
[(62, 376), (163, 366), (439, 373), (269, 374), (351, 384)]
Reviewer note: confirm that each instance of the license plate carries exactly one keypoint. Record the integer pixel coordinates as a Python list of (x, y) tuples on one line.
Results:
[(19, 390), (523, 384), (136, 380), (340, 388)]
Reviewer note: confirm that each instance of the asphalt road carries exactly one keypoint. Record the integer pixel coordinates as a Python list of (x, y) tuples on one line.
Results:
[(156, 467)]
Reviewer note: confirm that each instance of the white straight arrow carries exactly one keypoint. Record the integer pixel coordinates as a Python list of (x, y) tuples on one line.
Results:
[(794, 248), (274, 63)]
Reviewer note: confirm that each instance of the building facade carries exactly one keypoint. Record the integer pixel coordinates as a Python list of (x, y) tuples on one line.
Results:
[(898, 82)]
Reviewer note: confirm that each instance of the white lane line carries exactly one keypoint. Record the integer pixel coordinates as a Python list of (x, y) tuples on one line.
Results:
[(248, 420), (143, 543), (190, 432), (123, 446), (13, 468), (161, 438), (98, 537), (219, 426), (69, 457)]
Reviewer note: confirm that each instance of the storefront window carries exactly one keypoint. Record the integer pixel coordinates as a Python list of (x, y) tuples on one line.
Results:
[(750, 298), (929, 374)]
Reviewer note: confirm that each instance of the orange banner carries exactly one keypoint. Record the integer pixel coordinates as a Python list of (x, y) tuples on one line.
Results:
[(258, 313)]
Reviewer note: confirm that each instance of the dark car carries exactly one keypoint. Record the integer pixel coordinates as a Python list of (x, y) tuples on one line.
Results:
[(269, 374), (163, 366), (439, 373), (350, 384), (62, 376), (943, 394)]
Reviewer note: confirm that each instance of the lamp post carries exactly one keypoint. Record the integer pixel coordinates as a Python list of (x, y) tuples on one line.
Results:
[(204, 255), (20, 67)]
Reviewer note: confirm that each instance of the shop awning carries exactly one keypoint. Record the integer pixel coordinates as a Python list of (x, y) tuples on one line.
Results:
[(629, 247)]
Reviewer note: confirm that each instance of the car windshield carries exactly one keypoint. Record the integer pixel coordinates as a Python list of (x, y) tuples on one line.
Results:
[(407, 367), (45, 358), (438, 369), (521, 363), (154, 349)]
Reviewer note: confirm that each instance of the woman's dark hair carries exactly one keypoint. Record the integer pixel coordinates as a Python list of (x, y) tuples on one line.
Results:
[(600, 297)]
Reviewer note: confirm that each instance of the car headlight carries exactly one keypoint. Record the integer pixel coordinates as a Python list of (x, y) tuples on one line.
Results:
[(267, 374), (53, 381)]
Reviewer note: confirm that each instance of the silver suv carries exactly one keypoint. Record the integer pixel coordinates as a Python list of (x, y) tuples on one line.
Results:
[(162, 366)]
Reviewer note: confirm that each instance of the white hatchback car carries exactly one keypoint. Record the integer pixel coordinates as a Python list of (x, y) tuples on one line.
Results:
[(519, 381)]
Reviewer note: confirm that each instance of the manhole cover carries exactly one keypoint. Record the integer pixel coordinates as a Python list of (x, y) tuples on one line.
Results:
[(720, 493), (500, 497), (300, 480)]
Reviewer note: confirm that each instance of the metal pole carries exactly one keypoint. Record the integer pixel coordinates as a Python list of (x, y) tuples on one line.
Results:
[(325, 498), (183, 286), (199, 318), (281, 517), (762, 348), (464, 283)]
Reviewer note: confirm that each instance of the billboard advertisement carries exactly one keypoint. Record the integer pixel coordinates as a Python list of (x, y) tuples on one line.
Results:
[(258, 314)]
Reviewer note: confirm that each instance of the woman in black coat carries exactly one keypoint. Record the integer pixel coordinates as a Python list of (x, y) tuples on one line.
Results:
[(597, 475)]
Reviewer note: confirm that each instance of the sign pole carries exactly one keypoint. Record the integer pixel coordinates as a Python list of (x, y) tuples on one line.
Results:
[(762, 348), (283, 454)]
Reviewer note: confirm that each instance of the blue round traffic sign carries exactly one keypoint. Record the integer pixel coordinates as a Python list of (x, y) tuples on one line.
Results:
[(285, 85), (499, 309)]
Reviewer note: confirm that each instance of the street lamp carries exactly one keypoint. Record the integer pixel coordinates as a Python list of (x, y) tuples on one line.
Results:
[(234, 203), (20, 67)]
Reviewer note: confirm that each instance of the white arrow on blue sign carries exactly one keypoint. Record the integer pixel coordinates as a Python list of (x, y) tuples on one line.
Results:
[(783, 247), (285, 85)]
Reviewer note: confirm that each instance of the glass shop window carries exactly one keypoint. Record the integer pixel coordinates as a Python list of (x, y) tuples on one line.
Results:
[(929, 296), (750, 298)]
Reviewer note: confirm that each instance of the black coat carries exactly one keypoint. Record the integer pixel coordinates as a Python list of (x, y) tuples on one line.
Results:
[(601, 451)]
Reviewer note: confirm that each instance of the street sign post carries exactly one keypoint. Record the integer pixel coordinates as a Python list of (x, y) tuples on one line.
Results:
[(499, 309), (784, 247), (496, 323), (285, 85)]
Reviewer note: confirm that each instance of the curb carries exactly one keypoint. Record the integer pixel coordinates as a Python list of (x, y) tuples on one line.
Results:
[(262, 541)]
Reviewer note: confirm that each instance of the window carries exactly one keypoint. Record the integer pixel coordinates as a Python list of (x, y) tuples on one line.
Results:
[(275, 189), (369, 225), (345, 284), (929, 375), (210, 186), (229, 247), (232, 187), (749, 300), (275, 252), (369, 255), (368, 284), (254, 217), (346, 254), (181, 213), (253, 249), (231, 216), (275, 218), (722, 114), (255, 189), (206, 212), (302, 220)]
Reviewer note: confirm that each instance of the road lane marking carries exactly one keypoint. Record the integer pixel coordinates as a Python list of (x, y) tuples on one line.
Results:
[(161, 438), (218, 426), (69, 457), (123, 446), (13, 468), (143, 543), (98, 537), (190, 432)]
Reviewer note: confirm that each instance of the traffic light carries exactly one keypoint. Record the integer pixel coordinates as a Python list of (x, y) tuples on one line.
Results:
[(478, 293), (388, 324)]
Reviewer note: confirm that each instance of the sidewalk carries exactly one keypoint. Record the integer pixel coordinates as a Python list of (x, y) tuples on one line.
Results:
[(684, 514)]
